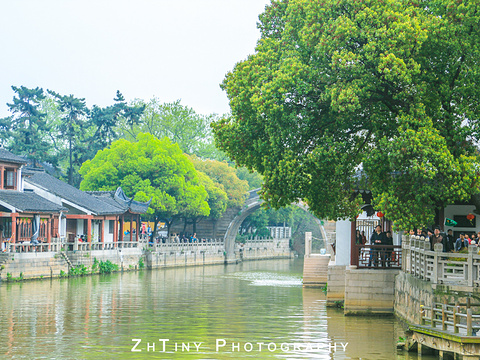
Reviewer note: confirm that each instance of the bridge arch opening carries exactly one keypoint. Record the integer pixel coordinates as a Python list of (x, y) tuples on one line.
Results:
[(252, 204)]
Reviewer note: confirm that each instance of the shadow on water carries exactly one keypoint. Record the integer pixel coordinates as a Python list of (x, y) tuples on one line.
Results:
[(211, 312)]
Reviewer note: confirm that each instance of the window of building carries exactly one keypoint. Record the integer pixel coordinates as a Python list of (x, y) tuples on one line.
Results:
[(111, 224), (9, 179)]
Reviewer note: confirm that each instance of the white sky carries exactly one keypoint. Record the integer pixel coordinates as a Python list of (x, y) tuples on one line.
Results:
[(171, 49)]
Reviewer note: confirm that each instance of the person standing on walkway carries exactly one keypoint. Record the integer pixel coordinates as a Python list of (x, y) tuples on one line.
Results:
[(377, 238), (461, 242), (436, 238)]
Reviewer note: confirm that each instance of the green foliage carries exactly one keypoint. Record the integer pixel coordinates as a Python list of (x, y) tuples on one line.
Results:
[(72, 128), (409, 170), (141, 263), (338, 304), (105, 122), (255, 224), (334, 85), (149, 169), (9, 277), (325, 289), (181, 124), (79, 270), (225, 176), (25, 132), (254, 179), (95, 265), (216, 196), (63, 274), (107, 267)]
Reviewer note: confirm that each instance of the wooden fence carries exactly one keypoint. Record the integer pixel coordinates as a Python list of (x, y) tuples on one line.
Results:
[(450, 318)]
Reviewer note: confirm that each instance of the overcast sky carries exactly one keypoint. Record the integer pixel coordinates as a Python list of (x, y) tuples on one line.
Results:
[(170, 49)]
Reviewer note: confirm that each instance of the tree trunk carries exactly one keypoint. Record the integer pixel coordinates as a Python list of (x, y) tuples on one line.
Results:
[(70, 170)]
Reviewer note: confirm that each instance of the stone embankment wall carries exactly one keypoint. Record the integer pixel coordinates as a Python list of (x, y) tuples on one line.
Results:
[(315, 270), (411, 292), (369, 291), (31, 265), (156, 260), (336, 284), (52, 264), (256, 251)]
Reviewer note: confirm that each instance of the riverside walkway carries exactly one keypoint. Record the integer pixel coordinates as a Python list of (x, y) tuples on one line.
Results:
[(26, 260), (451, 326)]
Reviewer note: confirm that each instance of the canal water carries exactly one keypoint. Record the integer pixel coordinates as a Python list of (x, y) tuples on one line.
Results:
[(253, 310)]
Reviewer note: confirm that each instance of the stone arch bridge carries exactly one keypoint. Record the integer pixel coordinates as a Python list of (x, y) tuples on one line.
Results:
[(227, 226), (252, 204)]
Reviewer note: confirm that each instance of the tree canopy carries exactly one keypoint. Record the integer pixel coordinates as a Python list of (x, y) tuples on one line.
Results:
[(340, 88), (226, 178), (24, 131), (180, 123), (149, 168)]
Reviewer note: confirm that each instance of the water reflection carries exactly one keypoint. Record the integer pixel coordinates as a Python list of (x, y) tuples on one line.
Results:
[(234, 306)]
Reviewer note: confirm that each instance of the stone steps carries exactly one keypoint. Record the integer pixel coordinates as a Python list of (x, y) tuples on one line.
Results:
[(65, 257), (315, 270)]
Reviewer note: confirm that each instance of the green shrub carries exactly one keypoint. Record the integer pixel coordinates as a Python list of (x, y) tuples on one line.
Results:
[(107, 267), (141, 264), (324, 289), (95, 265), (78, 270)]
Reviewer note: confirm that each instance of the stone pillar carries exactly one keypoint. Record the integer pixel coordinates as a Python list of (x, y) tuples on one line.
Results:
[(342, 242), (131, 229), (49, 233), (2, 176), (122, 220), (138, 227), (308, 243), (115, 232), (14, 226), (102, 231), (89, 230)]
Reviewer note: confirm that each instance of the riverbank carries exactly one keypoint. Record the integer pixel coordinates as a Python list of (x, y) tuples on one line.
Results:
[(96, 317), (50, 264)]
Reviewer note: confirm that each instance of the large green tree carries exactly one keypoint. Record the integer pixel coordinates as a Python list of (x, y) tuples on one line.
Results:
[(105, 121), (226, 178), (25, 132), (72, 128), (180, 123), (149, 168), (337, 86)]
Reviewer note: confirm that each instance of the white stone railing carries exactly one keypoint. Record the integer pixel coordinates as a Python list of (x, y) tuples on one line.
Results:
[(440, 267), (55, 245), (216, 246), (263, 243)]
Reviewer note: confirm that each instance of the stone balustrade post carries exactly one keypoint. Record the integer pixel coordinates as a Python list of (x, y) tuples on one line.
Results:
[(308, 243), (438, 248), (472, 250)]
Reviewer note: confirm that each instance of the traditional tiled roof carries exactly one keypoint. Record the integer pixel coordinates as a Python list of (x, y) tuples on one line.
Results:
[(70, 193), (7, 156), (28, 201), (119, 198)]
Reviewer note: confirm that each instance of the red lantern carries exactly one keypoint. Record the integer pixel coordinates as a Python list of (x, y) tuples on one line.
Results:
[(380, 214), (470, 217)]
